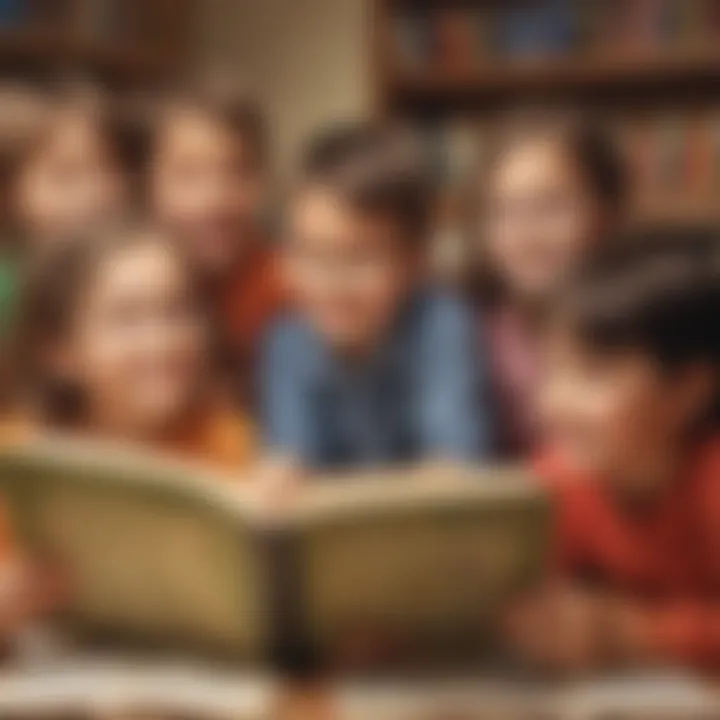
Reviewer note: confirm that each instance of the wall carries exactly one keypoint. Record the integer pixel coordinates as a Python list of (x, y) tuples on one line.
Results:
[(309, 59)]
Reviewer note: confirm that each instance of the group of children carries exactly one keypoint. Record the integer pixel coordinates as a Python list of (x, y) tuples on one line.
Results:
[(285, 356)]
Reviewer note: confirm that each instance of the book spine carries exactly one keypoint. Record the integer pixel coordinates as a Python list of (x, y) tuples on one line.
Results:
[(13, 13), (291, 651), (454, 39), (412, 39)]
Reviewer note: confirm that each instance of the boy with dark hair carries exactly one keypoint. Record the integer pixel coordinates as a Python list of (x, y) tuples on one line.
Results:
[(630, 412), (372, 367)]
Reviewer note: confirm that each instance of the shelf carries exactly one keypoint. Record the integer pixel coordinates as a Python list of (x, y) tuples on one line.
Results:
[(54, 50), (679, 208), (587, 76)]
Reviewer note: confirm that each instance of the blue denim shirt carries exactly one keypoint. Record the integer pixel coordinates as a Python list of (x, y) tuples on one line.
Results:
[(418, 397)]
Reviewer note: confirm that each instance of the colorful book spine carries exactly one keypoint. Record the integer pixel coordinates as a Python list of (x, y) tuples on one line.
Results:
[(412, 38), (530, 31), (13, 13), (454, 39)]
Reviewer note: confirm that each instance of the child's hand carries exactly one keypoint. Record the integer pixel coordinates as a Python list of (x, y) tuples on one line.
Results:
[(30, 588), (276, 482), (560, 628)]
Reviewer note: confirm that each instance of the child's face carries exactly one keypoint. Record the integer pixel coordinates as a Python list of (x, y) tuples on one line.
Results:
[(614, 414), (349, 272), (137, 342), (540, 219), (207, 189), (70, 182)]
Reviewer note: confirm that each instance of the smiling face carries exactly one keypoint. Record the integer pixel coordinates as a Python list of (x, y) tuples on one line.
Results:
[(541, 218), (614, 413), (136, 342), (70, 181), (207, 188), (349, 271)]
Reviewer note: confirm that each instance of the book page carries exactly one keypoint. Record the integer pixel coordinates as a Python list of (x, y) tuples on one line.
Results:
[(431, 577), (147, 557)]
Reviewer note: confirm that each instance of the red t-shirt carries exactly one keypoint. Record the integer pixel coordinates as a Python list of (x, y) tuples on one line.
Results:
[(666, 557), (251, 299)]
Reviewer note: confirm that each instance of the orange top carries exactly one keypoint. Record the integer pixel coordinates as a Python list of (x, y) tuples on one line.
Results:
[(253, 296), (218, 437), (221, 437), (664, 557)]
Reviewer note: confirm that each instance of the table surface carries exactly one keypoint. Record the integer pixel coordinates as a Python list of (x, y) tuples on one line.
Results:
[(107, 686)]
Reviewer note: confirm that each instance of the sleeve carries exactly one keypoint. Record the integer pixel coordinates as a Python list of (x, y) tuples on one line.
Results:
[(7, 547), (284, 394), (685, 631), (453, 419), (688, 629)]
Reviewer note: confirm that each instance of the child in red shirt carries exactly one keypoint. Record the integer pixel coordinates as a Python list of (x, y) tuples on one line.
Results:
[(207, 179), (630, 412)]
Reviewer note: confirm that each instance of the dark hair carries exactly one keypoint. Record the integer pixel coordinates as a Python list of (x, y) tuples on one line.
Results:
[(587, 144), (376, 169), (219, 98), (39, 109), (53, 289), (656, 290)]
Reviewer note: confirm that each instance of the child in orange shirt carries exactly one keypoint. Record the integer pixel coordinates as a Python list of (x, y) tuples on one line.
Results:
[(207, 174), (112, 342), (630, 413)]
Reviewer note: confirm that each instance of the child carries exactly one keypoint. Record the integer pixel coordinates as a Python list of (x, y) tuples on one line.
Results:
[(112, 343), (630, 410), (207, 176), (371, 367), (553, 187), (67, 171)]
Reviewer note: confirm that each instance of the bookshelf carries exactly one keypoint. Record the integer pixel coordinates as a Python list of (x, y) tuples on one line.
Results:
[(121, 42), (650, 67), (611, 77)]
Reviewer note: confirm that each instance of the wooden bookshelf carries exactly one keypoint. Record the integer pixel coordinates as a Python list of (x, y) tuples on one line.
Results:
[(150, 45), (678, 75), (639, 77)]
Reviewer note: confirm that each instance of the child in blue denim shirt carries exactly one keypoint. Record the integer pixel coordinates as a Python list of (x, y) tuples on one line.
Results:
[(372, 367)]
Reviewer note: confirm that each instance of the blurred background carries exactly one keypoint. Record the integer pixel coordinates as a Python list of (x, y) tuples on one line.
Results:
[(649, 69), (650, 66)]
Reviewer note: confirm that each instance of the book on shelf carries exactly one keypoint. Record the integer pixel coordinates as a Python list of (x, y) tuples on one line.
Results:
[(412, 39), (454, 150), (669, 173), (674, 160), (700, 158), (714, 133), (100, 19), (51, 14), (449, 39), (457, 38), (532, 31), (162, 555), (13, 14)]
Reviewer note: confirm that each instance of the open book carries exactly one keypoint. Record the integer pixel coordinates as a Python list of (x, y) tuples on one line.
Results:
[(163, 554)]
